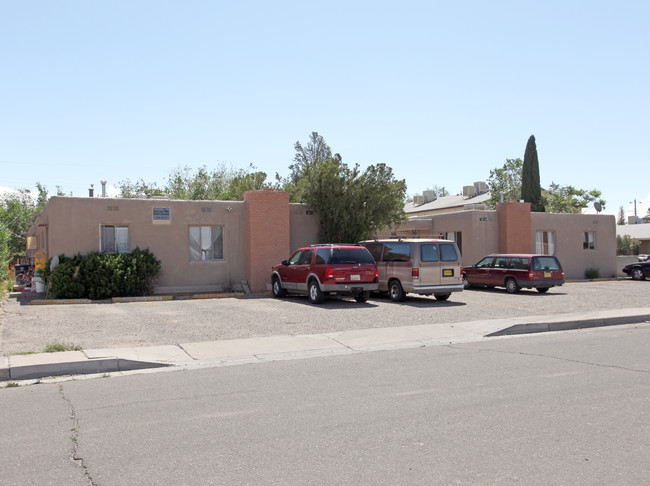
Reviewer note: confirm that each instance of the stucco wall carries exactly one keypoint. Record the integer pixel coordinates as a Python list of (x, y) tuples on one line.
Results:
[(479, 228), (73, 226), (569, 229)]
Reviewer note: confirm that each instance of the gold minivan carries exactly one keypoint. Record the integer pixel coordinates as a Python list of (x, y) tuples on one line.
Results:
[(417, 265)]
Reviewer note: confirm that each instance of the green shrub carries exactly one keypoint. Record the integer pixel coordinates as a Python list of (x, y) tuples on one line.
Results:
[(103, 275), (592, 273), (626, 245)]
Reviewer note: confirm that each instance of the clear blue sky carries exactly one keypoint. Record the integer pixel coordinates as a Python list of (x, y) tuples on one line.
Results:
[(440, 91)]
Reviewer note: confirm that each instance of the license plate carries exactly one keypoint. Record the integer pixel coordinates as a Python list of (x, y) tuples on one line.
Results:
[(548, 274), (448, 272), (355, 278)]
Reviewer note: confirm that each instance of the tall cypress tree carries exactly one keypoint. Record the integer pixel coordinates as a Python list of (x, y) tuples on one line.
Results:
[(531, 191)]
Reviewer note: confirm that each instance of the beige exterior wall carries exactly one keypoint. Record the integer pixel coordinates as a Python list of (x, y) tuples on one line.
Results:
[(482, 234), (569, 230), (70, 225)]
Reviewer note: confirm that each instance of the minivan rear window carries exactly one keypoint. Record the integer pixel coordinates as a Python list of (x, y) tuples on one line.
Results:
[(332, 256), (448, 252), (397, 252), (429, 252)]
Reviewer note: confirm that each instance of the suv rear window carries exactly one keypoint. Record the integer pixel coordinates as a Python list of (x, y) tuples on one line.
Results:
[(333, 256)]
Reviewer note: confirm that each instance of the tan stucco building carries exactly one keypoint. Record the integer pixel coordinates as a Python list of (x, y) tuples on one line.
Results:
[(580, 241), (215, 245), (203, 245)]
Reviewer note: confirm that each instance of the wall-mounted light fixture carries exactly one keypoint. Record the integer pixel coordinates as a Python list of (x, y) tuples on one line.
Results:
[(228, 209), (309, 213)]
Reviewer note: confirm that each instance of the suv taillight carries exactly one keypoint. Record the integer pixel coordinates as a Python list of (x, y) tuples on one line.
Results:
[(415, 273), (329, 273)]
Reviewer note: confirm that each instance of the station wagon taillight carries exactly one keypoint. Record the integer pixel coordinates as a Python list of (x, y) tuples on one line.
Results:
[(415, 273), (531, 276)]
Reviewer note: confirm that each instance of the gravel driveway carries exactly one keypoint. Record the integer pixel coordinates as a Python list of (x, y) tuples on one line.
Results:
[(25, 328)]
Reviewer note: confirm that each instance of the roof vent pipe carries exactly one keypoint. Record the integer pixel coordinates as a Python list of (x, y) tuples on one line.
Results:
[(91, 191), (103, 188)]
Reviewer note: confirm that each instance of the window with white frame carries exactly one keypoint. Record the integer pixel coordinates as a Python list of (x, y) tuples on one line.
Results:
[(113, 239), (545, 242), (206, 243), (589, 240)]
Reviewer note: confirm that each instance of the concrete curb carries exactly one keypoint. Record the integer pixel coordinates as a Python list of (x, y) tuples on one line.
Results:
[(273, 348), (149, 298)]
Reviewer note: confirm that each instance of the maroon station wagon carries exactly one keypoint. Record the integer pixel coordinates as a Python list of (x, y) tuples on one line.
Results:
[(515, 272)]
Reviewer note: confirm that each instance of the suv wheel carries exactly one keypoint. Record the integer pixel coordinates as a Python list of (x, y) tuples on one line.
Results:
[(276, 286), (442, 296), (512, 286), (362, 296), (396, 291), (315, 294), (637, 274)]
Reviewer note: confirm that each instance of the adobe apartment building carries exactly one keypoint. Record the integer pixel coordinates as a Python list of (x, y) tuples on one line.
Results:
[(215, 245), (203, 245), (580, 241)]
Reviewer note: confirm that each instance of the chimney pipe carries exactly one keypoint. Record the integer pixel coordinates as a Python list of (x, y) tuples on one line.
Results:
[(91, 191), (103, 188)]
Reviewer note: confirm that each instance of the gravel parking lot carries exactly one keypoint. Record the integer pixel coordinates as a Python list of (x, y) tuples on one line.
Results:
[(25, 328)]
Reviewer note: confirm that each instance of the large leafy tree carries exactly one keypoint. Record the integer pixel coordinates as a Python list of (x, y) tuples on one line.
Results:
[(223, 182), (531, 191), (18, 210), (568, 199), (505, 181), (351, 205)]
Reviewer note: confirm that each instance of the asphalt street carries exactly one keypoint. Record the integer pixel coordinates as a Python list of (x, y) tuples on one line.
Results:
[(556, 408), (28, 328)]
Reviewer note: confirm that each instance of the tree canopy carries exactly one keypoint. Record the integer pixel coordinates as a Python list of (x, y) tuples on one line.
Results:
[(223, 182), (531, 191), (505, 181), (351, 205), (568, 199), (18, 210)]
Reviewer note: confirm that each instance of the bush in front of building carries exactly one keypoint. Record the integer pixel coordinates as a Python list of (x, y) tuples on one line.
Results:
[(626, 245), (591, 273), (99, 276)]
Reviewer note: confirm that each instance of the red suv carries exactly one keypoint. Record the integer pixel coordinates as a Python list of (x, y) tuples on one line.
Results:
[(515, 272), (319, 270)]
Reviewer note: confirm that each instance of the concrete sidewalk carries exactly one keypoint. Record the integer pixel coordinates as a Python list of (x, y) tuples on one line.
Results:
[(263, 349)]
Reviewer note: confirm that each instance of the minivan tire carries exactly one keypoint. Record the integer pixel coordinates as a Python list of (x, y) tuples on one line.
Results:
[(442, 296), (276, 286), (512, 286), (396, 291), (316, 296)]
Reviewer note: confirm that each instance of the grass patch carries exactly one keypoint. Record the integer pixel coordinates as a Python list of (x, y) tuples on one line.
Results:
[(12, 385), (59, 347), (25, 353)]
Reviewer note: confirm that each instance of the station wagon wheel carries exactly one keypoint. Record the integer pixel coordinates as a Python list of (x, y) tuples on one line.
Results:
[(362, 296), (637, 274), (466, 284), (512, 286), (396, 291), (315, 294), (541, 290), (276, 286)]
